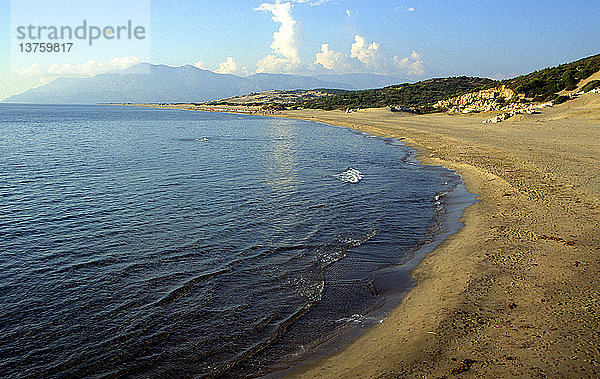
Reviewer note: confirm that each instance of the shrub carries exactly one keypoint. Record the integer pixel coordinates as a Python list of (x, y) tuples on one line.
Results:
[(539, 84), (591, 85), (561, 99)]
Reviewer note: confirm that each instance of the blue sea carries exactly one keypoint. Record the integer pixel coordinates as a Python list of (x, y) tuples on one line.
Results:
[(154, 242)]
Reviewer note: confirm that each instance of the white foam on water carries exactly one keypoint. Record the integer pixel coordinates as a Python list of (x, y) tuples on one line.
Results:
[(351, 175), (359, 319)]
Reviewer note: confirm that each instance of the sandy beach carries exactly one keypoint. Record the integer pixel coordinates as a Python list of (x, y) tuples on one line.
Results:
[(515, 292)]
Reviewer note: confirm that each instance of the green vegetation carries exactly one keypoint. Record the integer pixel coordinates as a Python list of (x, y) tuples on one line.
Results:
[(561, 99), (289, 98), (419, 97), (591, 85), (544, 84)]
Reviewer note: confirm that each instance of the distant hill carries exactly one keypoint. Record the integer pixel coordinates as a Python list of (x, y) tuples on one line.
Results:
[(158, 83), (145, 83), (417, 96), (285, 98)]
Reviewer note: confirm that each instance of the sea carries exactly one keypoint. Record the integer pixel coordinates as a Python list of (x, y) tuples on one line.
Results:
[(172, 243)]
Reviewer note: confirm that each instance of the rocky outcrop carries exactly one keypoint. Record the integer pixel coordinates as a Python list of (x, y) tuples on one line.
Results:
[(491, 100), (487, 100), (516, 109)]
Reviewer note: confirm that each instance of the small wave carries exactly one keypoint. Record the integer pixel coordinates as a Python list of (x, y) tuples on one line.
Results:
[(336, 250), (438, 200), (360, 319), (187, 287), (310, 287), (354, 240), (168, 184), (199, 139), (276, 335), (351, 175)]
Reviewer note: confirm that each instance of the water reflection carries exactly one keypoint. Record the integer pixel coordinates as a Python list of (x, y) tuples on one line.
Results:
[(281, 160)]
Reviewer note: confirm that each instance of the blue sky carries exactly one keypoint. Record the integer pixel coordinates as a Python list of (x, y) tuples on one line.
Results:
[(409, 39)]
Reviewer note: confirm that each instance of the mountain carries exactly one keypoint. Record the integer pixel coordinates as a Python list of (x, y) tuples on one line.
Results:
[(146, 83)]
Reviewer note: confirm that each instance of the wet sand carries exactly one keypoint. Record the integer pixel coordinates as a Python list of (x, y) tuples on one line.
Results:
[(516, 291)]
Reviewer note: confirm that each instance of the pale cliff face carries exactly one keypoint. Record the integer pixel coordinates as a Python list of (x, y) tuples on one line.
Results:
[(482, 100)]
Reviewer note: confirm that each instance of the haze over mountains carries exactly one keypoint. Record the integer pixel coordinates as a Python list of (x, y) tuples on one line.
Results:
[(146, 83)]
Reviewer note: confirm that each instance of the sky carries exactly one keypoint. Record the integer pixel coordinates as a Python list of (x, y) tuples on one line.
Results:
[(412, 40)]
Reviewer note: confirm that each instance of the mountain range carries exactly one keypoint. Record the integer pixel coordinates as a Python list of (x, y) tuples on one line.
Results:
[(146, 83)]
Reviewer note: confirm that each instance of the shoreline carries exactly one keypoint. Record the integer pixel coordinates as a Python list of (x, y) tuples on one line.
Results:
[(476, 306), (396, 281), (514, 292)]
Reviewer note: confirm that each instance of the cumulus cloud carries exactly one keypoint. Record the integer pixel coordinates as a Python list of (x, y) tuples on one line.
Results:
[(200, 65), (411, 66), (369, 57), (87, 69), (370, 54), (230, 66), (333, 60), (272, 64), (285, 40)]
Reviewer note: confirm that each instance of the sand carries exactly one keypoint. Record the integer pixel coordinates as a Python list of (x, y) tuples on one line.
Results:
[(515, 292)]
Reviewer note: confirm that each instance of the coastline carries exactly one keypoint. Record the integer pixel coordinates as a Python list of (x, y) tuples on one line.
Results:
[(514, 292), (497, 298)]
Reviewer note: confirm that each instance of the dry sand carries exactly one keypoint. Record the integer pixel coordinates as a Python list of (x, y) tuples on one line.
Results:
[(515, 292)]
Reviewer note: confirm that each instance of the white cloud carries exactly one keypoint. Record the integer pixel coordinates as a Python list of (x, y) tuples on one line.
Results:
[(285, 40), (230, 66), (200, 65), (313, 3), (333, 60), (87, 69), (408, 9), (272, 64), (412, 66), (370, 54), (369, 57)]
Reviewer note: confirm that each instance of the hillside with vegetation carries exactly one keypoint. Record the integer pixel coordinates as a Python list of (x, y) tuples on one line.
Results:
[(544, 85), (285, 98), (417, 96), (538, 86)]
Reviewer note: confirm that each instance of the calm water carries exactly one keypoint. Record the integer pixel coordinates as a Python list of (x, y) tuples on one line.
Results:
[(163, 242)]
